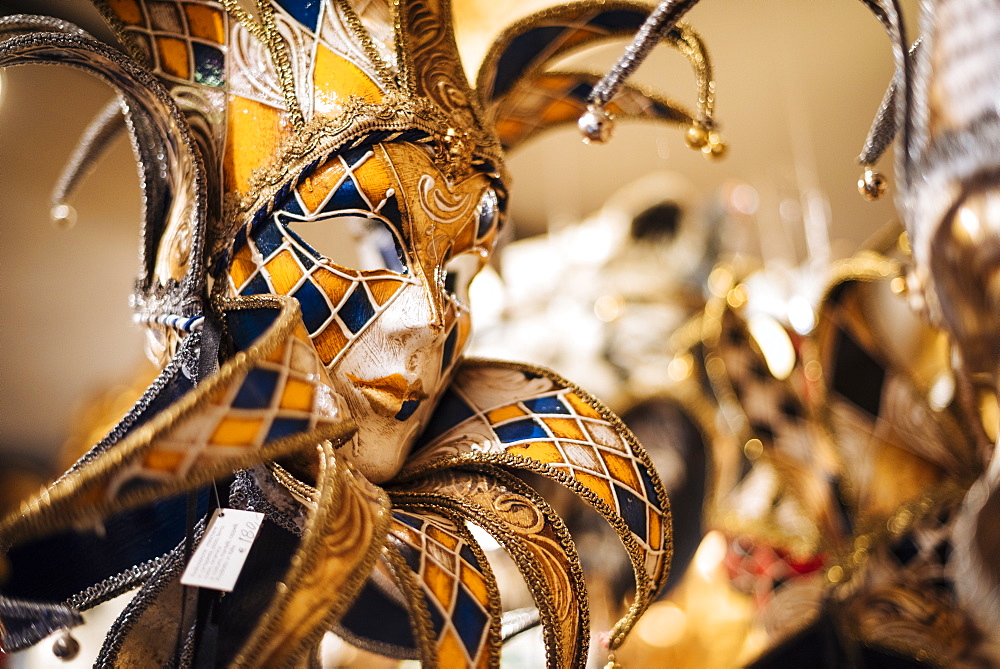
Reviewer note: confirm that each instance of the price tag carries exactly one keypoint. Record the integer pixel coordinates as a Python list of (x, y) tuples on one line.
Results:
[(224, 547)]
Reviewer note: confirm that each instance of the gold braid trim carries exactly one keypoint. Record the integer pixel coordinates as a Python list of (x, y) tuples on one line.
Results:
[(267, 32), (646, 590), (420, 619)]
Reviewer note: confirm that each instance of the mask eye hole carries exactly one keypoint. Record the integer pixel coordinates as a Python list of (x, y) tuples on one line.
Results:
[(458, 273), (351, 241)]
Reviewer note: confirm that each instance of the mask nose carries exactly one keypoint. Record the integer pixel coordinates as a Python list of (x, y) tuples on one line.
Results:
[(418, 313)]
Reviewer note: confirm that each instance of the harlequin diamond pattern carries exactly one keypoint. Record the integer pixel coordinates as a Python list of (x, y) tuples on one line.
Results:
[(337, 304), (453, 584), (562, 430), (182, 40), (556, 427), (284, 394)]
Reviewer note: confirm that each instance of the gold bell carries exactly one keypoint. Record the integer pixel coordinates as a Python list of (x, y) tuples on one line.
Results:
[(715, 149), (696, 137), (872, 185)]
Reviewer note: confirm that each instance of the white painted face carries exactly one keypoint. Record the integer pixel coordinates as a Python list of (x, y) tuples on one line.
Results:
[(390, 317)]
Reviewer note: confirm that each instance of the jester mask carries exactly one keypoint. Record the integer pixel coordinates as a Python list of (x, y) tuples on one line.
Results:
[(320, 185)]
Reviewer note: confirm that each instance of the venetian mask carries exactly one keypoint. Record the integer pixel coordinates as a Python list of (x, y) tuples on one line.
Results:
[(390, 323), (320, 185)]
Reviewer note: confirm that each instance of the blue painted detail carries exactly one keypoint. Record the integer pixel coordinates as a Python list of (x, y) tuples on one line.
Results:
[(632, 509), (267, 238), (581, 91), (57, 566), (406, 518), (307, 172), (209, 65), (448, 353), (525, 429), (346, 197), (258, 218), (256, 286), (377, 617), (305, 12), (620, 19), (468, 555), (437, 620), (405, 411), (469, 619), (257, 389), (315, 310), (661, 109), (390, 210), (520, 55), (292, 206), (550, 404), (450, 411), (246, 325), (526, 49), (409, 554), (647, 484), (240, 239), (286, 427), (353, 156), (357, 310), (281, 195), (304, 258)]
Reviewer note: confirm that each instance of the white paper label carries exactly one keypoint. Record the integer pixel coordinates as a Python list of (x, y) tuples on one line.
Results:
[(219, 558)]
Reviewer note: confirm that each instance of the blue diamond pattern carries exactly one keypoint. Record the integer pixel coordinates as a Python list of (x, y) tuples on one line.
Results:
[(633, 510), (469, 620), (520, 430), (315, 310), (285, 427), (357, 310), (257, 389), (546, 405), (267, 238)]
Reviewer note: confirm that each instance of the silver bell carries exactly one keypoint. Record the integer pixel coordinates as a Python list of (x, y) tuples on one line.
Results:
[(595, 125), (66, 647)]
